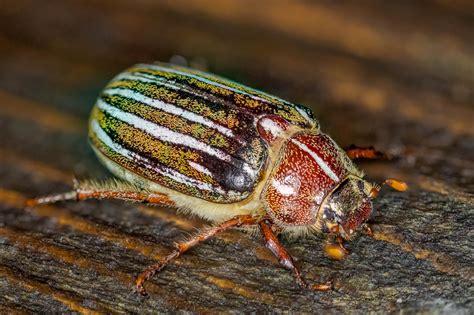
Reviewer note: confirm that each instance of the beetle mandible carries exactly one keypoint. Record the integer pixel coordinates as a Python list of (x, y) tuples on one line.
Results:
[(228, 153)]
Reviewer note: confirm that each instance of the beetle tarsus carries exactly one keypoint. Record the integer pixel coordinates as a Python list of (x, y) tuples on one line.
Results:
[(70, 195), (150, 272), (186, 245), (327, 286), (322, 286)]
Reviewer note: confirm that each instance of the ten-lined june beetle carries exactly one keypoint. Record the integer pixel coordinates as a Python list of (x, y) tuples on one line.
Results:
[(227, 153)]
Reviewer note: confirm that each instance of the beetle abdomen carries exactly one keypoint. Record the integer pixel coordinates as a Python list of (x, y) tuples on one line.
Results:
[(187, 130)]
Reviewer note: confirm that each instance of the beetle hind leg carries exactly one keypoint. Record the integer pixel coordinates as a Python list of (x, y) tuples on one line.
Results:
[(110, 189), (285, 259)]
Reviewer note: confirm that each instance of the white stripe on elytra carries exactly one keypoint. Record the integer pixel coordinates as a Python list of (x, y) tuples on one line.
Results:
[(166, 134), (146, 78), (200, 168), (304, 114), (301, 111), (165, 171), (160, 132), (169, 109), (326, 169), (149, 78), (203, 79)]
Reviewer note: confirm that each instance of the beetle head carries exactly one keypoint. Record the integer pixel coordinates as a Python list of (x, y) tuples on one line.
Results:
[(347, 207)]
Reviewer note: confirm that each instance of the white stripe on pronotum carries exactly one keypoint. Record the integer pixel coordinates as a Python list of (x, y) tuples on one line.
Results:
[(327, 170)]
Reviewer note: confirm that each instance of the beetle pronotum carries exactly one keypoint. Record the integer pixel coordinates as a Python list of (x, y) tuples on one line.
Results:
[(228, 153)]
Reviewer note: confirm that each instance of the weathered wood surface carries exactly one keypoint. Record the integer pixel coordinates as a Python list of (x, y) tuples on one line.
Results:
[(398, 75)]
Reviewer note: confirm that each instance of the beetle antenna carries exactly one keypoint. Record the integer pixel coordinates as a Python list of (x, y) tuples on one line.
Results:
[(396, 184)]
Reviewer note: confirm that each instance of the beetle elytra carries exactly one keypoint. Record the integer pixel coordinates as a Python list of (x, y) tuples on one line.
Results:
[(229, 154)]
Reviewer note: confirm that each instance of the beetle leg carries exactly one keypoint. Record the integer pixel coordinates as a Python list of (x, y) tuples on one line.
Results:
[(112, 189), (285, 259), (367, 229), (186, 245), (340, 242), (370, 153)]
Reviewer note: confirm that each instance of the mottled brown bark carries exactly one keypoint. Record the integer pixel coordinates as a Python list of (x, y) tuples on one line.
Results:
[(395, 75)]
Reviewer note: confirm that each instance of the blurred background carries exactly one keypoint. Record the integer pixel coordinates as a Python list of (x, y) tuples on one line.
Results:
[(369, 70), (398, 75)]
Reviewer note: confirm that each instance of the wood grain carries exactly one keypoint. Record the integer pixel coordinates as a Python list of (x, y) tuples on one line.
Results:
[(396, 75)]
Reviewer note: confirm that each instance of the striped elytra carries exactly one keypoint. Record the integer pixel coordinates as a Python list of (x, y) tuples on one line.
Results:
[(187, 130), (227, 153), (206, 142)]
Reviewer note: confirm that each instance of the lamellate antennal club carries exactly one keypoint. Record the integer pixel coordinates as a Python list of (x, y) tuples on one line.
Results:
[(227, 153)]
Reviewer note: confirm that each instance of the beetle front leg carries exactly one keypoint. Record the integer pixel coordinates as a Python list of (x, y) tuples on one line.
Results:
[(340, 242), (285, 259), (370, 153), (111, 189), (186, 245)]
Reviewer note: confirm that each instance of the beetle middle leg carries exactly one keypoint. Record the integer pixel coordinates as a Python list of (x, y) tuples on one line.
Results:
[(285, 259), (370, 153), (186, 245)]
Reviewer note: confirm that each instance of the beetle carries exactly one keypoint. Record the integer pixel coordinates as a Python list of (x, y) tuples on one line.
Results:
[(228, 153)]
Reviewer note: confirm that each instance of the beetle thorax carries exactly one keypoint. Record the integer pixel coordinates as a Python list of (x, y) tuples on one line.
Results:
[(308, 168)]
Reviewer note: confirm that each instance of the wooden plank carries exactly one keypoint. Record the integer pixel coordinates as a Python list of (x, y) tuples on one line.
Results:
[(396, 75)]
